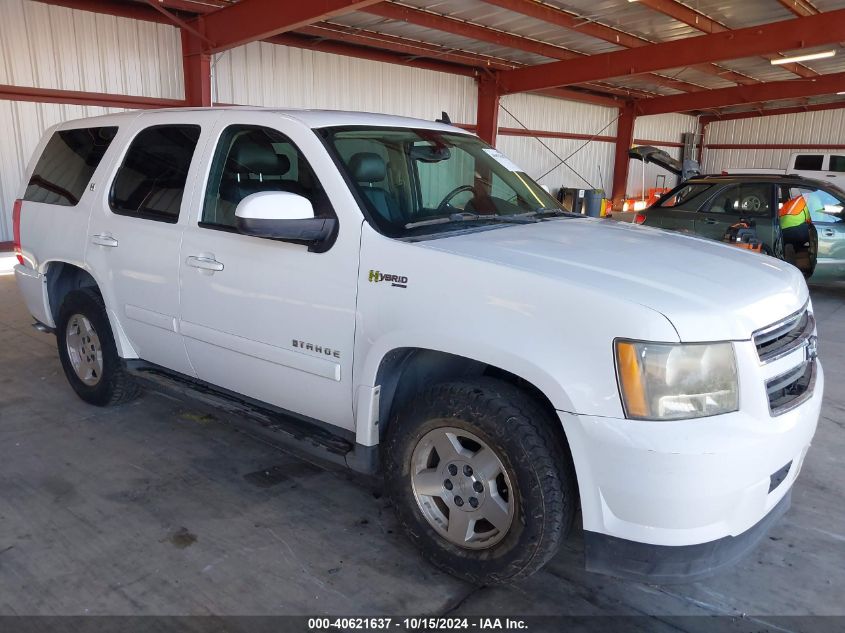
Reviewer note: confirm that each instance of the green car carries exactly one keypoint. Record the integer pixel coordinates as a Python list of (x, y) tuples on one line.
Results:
[(709, 205)]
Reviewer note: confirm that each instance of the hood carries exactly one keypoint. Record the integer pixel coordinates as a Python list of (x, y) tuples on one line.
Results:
[(709, 291)]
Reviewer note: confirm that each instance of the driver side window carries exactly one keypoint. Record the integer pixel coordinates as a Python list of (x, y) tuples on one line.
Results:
[(744, 199), (251, 159)]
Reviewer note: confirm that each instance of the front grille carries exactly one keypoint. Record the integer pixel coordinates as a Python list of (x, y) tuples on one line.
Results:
[(791, 389), (784, 337)]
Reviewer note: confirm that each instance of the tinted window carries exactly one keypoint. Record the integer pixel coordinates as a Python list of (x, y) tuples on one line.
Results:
[(744, 199), (66, 165), (151, 180), (686, 195), (809, 162), (837, 163), (251, 159)]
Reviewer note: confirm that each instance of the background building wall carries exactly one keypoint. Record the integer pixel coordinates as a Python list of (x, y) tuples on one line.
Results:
[(812, 128), (662, 127), (45, 46)]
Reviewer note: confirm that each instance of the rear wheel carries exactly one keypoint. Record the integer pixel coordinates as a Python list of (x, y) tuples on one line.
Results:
[(479, 481), (88, 352)]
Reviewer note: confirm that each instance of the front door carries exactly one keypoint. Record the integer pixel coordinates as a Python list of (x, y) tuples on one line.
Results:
[(135, 232), (750, 201), (260, 317), (827, 210)]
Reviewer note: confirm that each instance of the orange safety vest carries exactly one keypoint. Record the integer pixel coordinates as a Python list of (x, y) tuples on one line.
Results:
[(794, 213)]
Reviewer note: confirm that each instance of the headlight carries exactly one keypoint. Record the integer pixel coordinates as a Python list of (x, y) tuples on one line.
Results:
[(666, 381)]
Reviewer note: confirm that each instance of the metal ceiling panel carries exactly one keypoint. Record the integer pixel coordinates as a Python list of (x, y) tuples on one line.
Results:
[(738, 14)]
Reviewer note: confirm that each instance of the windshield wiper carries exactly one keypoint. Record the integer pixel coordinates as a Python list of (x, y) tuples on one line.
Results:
[(546, 212), (464, 216)]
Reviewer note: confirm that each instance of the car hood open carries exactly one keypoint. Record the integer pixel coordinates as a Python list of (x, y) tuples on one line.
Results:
[(709, 291)]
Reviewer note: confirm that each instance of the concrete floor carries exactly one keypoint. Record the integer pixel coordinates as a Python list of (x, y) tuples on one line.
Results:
[(154, 508)]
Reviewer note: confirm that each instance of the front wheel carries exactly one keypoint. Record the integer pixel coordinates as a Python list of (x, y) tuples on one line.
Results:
[(479, 481), (88, 352)]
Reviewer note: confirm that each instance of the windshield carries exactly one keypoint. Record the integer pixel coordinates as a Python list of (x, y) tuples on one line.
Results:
[(683, 194), (418, 182)]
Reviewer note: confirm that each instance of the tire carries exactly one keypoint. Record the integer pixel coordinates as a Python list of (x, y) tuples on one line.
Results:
[(100, 379), (534, 490)]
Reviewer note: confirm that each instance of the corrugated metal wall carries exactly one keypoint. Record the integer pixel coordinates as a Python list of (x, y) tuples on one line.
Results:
[(52, 47), (661, 127), (270, 75), (826, 126), (588, 164)]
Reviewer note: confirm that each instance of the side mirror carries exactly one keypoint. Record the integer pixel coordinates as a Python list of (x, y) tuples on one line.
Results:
[(281, 215)]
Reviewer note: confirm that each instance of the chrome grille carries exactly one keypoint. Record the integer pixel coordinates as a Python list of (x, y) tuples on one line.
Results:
[(784, 337), (792, 388)]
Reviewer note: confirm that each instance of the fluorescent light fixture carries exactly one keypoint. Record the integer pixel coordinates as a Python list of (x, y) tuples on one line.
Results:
[(803, 58)]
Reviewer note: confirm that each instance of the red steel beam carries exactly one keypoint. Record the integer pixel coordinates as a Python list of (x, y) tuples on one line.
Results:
[(413, 48), (252, 20), (723, 97), (373, 54), (800, 33), (624, 140), (488, 109), (133, 11), (196, 70), (558, 17), (49, 95), (438, 22), (753, 114), (698, 20)]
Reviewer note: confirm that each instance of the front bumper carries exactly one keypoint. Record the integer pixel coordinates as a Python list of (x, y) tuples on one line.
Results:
[(685, 485)]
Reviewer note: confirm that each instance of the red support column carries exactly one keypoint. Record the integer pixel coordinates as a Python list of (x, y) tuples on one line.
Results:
[(488, 108), (624, 140), (196, 67)]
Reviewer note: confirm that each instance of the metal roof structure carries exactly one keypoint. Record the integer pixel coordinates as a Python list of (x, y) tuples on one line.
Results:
[(712, 58), (494, 36)]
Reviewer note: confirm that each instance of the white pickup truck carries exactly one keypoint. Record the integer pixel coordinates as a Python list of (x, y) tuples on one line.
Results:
[(824, 166), (402, 298)]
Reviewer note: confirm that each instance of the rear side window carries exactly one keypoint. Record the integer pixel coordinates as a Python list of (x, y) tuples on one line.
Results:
[(809, 162), (837, 163), (689, 196), (151, 181), (66, 165)]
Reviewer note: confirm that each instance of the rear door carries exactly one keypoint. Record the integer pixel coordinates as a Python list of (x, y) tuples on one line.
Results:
[(136, 229), (747, 200), (836, 169), (678, 209)]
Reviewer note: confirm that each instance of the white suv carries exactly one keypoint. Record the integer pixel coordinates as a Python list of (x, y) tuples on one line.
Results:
[(402, 298)]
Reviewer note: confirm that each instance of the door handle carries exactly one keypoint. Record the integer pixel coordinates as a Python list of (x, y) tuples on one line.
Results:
[(831, 175), (103, 239), (709, 221), (828, 232), (204, 262)]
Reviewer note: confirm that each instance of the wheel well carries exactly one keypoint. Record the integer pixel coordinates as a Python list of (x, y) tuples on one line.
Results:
[(405, 372), (63, 278)]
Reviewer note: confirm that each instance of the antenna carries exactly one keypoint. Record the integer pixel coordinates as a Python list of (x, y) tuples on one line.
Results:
[(444, 118)]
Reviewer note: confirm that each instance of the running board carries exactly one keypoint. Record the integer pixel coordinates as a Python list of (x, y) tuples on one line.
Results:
[(276, 427)]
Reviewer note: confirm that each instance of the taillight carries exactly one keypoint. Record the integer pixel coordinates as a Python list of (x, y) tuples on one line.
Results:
[(639, 218), (16, 229)]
